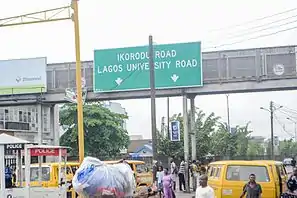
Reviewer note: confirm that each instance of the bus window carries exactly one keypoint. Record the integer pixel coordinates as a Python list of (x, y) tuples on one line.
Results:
[(241, 173)]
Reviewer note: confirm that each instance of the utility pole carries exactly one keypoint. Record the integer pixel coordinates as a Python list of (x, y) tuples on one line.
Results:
[(153, 97), (271, 129), (228, 113), (271, 111)]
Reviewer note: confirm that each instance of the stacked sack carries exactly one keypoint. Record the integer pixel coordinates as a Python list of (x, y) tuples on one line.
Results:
[(96, 179)]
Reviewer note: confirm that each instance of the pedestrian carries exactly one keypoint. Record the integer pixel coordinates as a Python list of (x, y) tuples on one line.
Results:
[(167, 185), (252, 189), (155, 170), (8, 177), (204, 190), (293, 162), (173, 172), (292, 181), (194, 171), (160, 175), (181, 175), (202, 170)]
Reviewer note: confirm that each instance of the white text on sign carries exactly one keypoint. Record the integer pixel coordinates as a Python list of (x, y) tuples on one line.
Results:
[(139, 65)]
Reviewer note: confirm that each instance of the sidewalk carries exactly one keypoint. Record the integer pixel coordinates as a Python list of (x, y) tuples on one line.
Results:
[(184, 195)]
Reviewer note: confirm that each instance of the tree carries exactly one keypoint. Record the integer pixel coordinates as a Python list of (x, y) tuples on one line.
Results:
[(288, 148), (212, 137), (242, 136), (172, 149), (220, 141), (231, 144), (104, 135), (204, 126), (255, 149)]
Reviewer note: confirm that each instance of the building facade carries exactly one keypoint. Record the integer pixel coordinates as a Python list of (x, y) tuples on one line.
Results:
[(38, 124), (117, 108)]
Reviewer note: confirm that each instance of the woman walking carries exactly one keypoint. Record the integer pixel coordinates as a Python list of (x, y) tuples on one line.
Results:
[(167, 185)]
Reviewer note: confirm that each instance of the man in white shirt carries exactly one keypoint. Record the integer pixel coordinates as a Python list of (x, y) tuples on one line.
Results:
[(203, 190)]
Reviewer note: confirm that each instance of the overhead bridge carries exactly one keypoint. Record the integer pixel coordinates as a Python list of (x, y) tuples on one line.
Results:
[(232, 71)]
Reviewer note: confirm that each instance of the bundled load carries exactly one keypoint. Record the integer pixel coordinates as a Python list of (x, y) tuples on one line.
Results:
[(96, 179)]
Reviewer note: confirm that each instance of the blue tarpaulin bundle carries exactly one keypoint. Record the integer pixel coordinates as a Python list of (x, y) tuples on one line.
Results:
[(94, 178)]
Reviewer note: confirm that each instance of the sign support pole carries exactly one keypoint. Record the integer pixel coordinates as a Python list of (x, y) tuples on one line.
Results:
[(168, 118), (153, 97), (186, 141), (80, 125), (193, 131)]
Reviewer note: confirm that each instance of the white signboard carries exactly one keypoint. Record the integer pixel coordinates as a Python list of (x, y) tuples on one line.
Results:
[(23, 76)]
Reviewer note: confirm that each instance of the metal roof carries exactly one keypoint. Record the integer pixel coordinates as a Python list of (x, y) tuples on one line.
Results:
[(8, 139)]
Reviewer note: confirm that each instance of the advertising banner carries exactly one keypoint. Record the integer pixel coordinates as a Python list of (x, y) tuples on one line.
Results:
[(23, 76), (175, 131)]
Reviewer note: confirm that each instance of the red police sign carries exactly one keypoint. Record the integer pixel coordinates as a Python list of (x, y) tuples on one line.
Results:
[(47, 152)]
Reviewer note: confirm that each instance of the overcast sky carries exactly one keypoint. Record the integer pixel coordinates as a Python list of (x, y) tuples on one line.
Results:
[(114, 23)]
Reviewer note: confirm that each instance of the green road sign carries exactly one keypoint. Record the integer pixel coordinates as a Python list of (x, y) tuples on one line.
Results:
[(125, 69)]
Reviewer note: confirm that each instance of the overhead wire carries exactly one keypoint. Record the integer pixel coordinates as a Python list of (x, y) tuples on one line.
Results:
[(253, 20), (290, 110), (290, 113), (283, 127), (261, 30), (251, 30), (255, 29), (252, 38), (245, 32)]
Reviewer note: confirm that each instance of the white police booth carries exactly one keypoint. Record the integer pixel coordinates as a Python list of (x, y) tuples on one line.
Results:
[(29, 150)]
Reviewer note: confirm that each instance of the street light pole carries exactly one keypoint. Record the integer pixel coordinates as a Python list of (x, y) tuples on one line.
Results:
[(271, 129), (228, 113), (271, 110)]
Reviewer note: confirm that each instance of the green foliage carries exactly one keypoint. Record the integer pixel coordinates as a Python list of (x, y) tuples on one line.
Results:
[(168, 148), (104, 135), (230, 144), (204, 126), (288, 148), (212, 137), (255, 149)]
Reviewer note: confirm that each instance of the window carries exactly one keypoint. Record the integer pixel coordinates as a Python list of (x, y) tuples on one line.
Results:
[(25, 116), (34, 174), (29, 116), (141, 168), (17, 126), (242, 173), (1, 116), (6, 114), (20, 116), (212, 171), (281, 171), (218, 172), (209, 170), (68, 170)]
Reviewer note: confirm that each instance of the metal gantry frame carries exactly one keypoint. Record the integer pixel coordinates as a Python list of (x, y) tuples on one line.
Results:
[(52, 15)]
